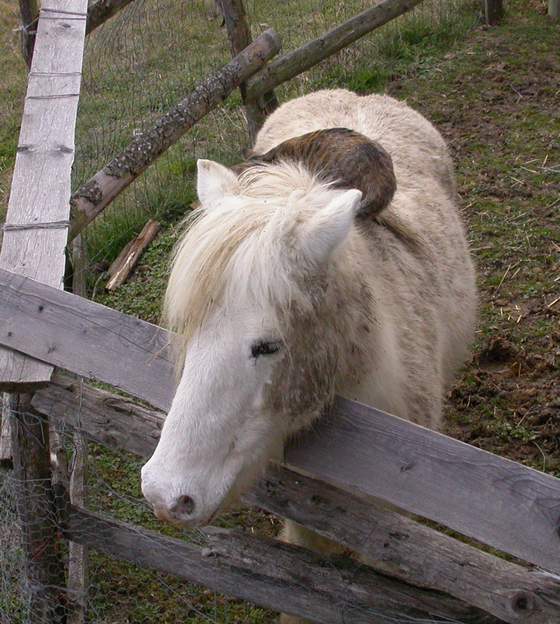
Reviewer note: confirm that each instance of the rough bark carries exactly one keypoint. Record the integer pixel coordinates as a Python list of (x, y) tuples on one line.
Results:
[(99, 12)]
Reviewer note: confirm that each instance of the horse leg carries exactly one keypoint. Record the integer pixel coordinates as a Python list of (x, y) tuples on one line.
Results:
[(294, 533)]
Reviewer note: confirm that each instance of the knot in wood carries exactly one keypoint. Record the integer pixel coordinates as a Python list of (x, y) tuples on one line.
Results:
[(522, 602)]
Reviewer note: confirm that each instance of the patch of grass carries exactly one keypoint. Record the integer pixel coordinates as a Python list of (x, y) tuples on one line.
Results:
[(13, 78)]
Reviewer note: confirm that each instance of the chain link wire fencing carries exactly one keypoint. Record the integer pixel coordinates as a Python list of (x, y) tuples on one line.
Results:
[(137, 65)]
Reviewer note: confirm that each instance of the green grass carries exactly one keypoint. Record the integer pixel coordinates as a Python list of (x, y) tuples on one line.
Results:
[(13, 77)]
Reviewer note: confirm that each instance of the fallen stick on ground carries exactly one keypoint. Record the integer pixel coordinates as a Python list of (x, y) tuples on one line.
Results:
[(129, 256)]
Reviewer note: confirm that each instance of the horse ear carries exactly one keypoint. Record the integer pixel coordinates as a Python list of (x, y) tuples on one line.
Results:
[(213, 181), (330, 226)]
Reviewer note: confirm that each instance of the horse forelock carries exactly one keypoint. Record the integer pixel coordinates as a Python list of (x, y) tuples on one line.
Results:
[(245, 247)]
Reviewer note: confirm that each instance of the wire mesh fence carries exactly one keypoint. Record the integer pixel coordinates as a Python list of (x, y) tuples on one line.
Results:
[(111, 591), (152, 53)]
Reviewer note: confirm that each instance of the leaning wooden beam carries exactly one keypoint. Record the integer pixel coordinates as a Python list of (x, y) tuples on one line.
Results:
[(239, 33), (94, 196), (37, 220), (494, 500), (33, 244), (99, 12), (308, 55), (391, 543), (270, 573), (29, 11)]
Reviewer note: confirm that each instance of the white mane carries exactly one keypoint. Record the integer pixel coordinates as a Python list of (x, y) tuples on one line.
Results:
[(241, 247)]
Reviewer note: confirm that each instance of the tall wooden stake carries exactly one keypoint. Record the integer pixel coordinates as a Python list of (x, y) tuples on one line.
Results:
[(37, 512), (6, 433), (239, 33), (77, 553), (493, 11)]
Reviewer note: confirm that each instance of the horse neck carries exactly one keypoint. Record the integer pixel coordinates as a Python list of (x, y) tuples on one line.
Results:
[(350, 309)]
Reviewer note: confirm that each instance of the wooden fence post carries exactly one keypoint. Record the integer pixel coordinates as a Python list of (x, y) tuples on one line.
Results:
[(33, 244), (239, 33), (78, 553), (493, 11), (554, 9), (6, 433), (37, 512)]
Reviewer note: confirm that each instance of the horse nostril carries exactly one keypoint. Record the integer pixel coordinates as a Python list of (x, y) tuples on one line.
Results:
[(183, 506)]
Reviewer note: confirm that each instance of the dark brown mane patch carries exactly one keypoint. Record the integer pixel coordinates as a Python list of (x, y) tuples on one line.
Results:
[(344, 157)]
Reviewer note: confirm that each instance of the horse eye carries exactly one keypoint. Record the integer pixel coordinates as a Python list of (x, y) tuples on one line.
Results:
[(264, 348)]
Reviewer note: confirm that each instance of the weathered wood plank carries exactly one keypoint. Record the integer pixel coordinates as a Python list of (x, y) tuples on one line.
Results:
[(104, 417), (392, 543), (95, 195), (417, 554), (270, 573), (93, 341), (488, 498), (289, 65), (494, 500), (38, 210)]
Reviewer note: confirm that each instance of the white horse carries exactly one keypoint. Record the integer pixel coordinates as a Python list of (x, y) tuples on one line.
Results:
[(330, 263)]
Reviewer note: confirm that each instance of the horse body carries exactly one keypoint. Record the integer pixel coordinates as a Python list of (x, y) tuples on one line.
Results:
[(287, 295), (423, 290)]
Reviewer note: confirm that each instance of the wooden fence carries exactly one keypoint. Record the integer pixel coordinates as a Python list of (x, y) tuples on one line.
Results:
[(334, 478)]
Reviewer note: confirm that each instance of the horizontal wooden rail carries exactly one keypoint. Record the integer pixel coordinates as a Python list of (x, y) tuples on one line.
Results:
[(101, 189), (290, 65), (390, 542), (272, 574), (91, 341), (494, 500)]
